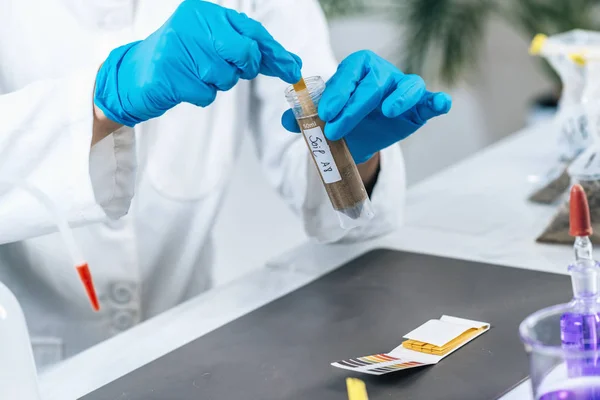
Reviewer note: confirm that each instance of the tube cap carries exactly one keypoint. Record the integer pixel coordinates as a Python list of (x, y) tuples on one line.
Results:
[(578, 58), (537, 43), (579, 215)]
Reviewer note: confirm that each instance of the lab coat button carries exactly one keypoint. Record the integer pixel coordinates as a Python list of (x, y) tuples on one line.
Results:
[(123, 320), (112, 21), (122, 292)]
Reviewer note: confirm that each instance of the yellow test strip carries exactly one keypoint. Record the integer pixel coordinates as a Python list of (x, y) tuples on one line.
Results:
[(357, 389), (301, 85), (446, 348), (306, 102)]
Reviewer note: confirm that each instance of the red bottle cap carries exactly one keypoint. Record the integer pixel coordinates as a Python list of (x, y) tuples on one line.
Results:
[(579, 216), (86, 278)]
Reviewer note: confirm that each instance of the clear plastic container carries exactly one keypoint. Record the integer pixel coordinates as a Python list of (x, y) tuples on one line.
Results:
[(551, 366), (572, 122), (573, 125), (563, 341), (332, 159)]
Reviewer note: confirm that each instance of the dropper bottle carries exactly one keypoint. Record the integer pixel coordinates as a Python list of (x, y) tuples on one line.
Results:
[(580, 328)]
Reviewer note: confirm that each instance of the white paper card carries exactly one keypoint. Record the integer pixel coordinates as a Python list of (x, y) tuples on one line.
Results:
[(463, 321), (322, 153), (403, 358), (440, 331)]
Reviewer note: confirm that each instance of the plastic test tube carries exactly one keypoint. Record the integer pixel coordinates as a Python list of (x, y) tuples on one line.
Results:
[(333, 160)]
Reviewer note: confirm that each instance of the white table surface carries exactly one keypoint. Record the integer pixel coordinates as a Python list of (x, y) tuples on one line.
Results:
[(476, 210)]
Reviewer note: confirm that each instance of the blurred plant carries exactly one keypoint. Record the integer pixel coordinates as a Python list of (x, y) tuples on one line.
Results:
[(448, 34), (337, 8)]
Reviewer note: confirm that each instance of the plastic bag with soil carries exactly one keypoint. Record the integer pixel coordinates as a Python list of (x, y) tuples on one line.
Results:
[(570, 125), (585, 171), (558, 230)]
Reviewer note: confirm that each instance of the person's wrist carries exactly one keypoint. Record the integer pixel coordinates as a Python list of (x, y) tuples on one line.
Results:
[(102, 126), (369, 171)]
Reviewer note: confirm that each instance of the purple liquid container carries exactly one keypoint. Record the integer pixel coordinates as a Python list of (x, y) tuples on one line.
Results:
[(580, 327), (576, 391), (580, 332), (563, 341)]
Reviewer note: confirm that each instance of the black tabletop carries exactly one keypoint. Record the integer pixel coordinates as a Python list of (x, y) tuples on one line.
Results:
[(283, 350)]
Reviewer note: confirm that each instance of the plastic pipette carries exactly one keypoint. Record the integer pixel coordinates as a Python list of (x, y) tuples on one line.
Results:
[(83, 270)]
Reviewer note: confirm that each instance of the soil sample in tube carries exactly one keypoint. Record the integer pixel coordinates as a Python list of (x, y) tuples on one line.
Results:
[(333, 159)]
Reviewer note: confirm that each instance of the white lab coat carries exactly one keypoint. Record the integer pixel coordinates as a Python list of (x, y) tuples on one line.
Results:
[(159, 252)]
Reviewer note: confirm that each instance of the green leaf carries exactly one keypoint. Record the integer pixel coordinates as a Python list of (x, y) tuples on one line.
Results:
[(452, 30), (445, 36), (337, 8)]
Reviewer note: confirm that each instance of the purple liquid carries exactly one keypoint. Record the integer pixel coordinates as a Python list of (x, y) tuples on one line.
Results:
[(581, 332), (578, 391), (581, 394)]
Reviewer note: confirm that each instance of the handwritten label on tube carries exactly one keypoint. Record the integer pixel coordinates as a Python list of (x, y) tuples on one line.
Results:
[(320, 149)]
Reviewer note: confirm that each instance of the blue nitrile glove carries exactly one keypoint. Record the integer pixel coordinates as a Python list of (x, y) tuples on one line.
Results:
[(201, 49), (373, 105)]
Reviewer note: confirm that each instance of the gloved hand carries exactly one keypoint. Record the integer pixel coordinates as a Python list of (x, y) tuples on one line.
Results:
[(201, 49), (373, 105)]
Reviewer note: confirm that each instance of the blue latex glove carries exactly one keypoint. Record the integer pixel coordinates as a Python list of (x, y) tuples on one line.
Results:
[(373, 105), (201, 49)]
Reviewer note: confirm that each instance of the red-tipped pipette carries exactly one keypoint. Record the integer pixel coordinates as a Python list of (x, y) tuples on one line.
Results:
[(86, 278), (78, 261)]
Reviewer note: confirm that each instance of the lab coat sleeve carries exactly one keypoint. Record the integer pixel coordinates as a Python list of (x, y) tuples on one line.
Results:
[(45, 136), (301, 27)]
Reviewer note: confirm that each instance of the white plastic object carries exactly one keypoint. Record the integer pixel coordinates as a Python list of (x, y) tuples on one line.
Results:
[(18, 375)]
